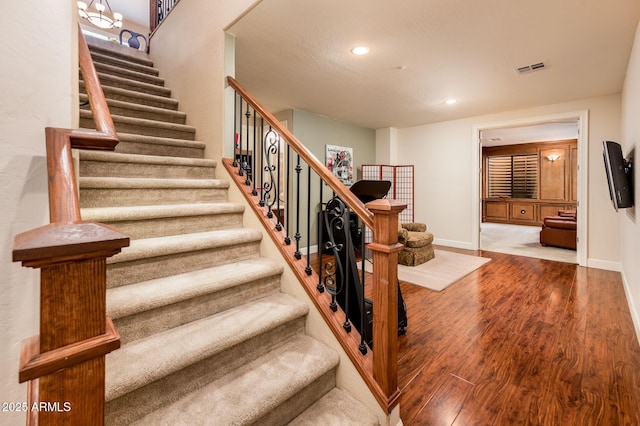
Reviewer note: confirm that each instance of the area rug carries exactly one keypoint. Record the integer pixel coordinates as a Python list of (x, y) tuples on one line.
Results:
[(443, 270), (440, 272)]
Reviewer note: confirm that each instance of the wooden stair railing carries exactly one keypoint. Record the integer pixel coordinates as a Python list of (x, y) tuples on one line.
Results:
[(65, 363), (379, 370)]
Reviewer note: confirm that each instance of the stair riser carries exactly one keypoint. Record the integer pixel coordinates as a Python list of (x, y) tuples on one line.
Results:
[(157, 320), (108, 60), (146, 129), (127, 73), (103, 47), (126, 147), (162, 227), (123, 83), (302, 400), (136, 98), (142, 170), (166, 117), (116, 197), (123, 273), (128, 408)]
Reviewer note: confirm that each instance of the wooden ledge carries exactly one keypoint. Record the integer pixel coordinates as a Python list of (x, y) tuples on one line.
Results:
[(79, 240), (33, 364)]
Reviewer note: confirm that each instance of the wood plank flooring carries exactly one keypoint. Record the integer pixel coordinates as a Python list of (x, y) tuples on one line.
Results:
[(520, 341)]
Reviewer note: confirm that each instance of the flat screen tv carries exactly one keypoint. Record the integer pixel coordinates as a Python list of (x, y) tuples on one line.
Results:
[(618, 175)]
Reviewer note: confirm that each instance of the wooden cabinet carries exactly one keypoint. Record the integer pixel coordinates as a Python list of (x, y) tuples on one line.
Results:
[(523, 212), (555, 182), (520, 212)]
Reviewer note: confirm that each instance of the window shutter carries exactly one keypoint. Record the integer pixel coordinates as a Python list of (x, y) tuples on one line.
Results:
[(512, 176)]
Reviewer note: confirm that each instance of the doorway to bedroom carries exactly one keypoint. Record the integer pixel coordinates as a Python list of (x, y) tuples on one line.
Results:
[(528, 175)]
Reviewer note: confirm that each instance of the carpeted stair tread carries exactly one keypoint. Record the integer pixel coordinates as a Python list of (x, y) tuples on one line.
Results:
[(174, 244), (138, 86), (115, 214), (142, 126), (336, 408), (147, 360), (129, 74), (250, 393), (135, 110), (125, 53), (147, 295), (115, 157), (101, 58), (133, 96), (125, 183), (157, 140)]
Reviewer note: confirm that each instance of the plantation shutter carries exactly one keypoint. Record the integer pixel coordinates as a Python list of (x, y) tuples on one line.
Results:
[(512, 176), (499, 176)]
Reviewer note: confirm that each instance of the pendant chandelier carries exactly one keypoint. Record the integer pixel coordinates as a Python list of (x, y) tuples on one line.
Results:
[(98, 15)]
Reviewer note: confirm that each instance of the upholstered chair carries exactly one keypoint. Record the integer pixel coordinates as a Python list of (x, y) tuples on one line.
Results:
[(417, 243)]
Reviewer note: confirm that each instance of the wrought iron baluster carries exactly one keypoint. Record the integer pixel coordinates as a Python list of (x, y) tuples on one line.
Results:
[(321, 215), (263, 139), (245, 157), (253, 156), (297, 235), (287, 207), (348, 248), (308, 268), (334, 269), (235, 127), (363, 312), (271, 187)]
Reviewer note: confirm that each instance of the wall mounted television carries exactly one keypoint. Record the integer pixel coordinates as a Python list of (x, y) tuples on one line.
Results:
[(618, 172)]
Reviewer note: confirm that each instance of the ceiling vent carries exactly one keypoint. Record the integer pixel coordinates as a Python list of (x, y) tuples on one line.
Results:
[(531, 68)]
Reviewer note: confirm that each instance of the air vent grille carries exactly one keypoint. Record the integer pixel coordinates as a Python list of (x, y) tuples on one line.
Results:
[(531, 68)]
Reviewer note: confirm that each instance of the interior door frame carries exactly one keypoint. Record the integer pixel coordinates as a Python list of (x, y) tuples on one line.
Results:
[(582, 118)]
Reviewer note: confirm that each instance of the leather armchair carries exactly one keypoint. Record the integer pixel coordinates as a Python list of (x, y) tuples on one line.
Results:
[(559, 231)]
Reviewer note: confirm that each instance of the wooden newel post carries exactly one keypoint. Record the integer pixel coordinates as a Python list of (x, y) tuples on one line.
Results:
[(65, 363), (385, 248)]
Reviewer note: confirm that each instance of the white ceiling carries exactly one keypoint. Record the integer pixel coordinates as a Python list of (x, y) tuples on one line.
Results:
[(296, 54)]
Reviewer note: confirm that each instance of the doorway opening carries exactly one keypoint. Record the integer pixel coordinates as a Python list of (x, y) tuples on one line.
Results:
[(545, 160)]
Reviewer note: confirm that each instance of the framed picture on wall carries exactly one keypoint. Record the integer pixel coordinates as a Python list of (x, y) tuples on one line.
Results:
[(339, 160)]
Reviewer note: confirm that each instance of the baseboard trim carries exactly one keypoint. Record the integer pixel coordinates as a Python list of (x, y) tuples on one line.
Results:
[(632, 308), (453, 243), (604, 264)]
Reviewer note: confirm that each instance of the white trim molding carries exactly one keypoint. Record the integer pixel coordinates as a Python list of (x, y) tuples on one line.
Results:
[(582, 118)]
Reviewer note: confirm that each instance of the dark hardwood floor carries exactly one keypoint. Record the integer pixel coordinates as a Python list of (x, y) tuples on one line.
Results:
[(520, 341)]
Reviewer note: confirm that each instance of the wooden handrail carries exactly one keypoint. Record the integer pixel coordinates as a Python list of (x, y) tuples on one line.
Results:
[(101, 115), (334, 183), (379, 368), (66, 361)]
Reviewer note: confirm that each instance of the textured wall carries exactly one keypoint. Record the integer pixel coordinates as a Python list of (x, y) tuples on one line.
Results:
[(38, 80)]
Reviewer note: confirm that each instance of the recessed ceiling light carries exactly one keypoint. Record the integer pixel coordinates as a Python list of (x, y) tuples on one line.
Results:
[(450, 101), (360, 50)]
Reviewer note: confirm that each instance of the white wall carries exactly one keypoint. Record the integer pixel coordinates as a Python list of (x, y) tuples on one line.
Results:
[(630, 228), (38, 78), (442, 154), (198, 84)]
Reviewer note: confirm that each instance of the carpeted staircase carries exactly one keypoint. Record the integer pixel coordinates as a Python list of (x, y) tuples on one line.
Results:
[(207, 336)]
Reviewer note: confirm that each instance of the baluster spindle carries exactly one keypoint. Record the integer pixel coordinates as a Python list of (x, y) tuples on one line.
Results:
[(253, 156), (320, 287), (297, 235), (308, 268), (244, 157), (287, 208), (235, 127), (363, 311)]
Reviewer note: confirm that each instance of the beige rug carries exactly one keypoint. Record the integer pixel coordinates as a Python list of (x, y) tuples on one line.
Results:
[(441, 271)]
